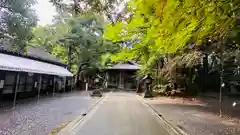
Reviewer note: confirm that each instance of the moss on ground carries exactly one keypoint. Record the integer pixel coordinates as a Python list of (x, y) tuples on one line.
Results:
[(59, 128)]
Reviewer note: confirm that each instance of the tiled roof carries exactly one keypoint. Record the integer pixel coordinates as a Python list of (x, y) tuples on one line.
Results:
[(125, 66), (15, 63), (40, 52), (35, 51)]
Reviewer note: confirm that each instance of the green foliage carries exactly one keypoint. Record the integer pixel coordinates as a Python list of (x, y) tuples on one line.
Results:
[(49, 36), (17, 19), (83, 34), (159, 27), (110, 9)]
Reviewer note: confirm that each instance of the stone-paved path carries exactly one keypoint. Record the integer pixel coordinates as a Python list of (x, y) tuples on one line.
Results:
[(32, 118), (120, 113)]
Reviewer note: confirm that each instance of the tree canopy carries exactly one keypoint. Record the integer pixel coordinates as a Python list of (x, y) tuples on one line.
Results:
[(170, 39), (110, 9), (16, 20), (160, 27), (83, 34)]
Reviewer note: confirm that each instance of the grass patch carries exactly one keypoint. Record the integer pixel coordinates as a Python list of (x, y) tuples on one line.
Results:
[(58, 129)]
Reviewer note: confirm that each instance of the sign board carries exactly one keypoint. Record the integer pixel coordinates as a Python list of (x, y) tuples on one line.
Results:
[(1, 84), (30, 74), (35, 84), (96, 80)]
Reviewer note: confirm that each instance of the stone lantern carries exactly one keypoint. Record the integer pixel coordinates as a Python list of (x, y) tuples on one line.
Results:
[(148, 84)]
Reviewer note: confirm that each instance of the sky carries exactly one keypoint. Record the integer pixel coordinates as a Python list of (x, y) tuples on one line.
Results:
[(45, 12)]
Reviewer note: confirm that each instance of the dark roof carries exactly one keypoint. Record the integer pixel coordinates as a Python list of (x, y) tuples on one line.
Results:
[(42, 59), (125, 66), (33, 50), (21, 64), (40, 52)]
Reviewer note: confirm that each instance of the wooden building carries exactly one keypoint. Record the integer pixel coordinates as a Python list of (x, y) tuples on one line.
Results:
[(122, 76), (31, 75)]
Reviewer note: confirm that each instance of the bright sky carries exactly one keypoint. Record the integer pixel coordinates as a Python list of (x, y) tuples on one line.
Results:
[(45, 12)]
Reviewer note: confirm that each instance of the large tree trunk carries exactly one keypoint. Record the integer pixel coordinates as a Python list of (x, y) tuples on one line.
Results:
[(157, 74), (205, 72), (77, 76), (69, 57), (80, 76), (221, 79)]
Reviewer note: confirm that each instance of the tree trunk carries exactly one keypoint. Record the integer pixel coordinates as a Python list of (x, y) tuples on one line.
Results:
[(221, 77), (75, 10), (69, 57), (157, 74), (75, 7), (221, 82), (77, 76), (205, 72)]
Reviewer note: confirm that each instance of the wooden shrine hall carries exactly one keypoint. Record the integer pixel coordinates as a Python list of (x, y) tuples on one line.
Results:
[(29, 75), (122, 76)]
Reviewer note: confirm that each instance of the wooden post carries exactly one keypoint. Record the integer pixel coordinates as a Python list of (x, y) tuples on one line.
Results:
[(106, 85), (65, 84), (123, 81), (86, 85), (116, 80), (2, 81), (157, 74), (39, 86), (25, 83), (71, 85), (16, 89), (120, 79), (53, 86)]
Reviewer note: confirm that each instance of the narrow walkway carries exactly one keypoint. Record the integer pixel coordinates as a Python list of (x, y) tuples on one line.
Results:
[(120, 114)]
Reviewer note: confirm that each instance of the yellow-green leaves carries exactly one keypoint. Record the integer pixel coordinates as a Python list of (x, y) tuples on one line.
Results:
[(114, 33), (167, 26)]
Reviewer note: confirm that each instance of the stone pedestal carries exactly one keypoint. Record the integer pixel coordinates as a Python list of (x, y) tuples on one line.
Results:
[(147, 93)]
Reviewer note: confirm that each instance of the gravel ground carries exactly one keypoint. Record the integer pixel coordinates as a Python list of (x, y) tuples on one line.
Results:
[(32, 118), (194, 118)]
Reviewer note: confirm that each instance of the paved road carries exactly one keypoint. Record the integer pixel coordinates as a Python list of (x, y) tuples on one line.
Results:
[(120, 114), (32, 118)]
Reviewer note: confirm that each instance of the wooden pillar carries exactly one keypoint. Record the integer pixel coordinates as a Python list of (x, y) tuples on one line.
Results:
[(123, 81), (71, 85), (39, 86), (119, 85), (54, 86), (16, 89), (2, 81), (116, 80), (49, 83), (65, 84), (86, 85), (25, 83), (106, 85)]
